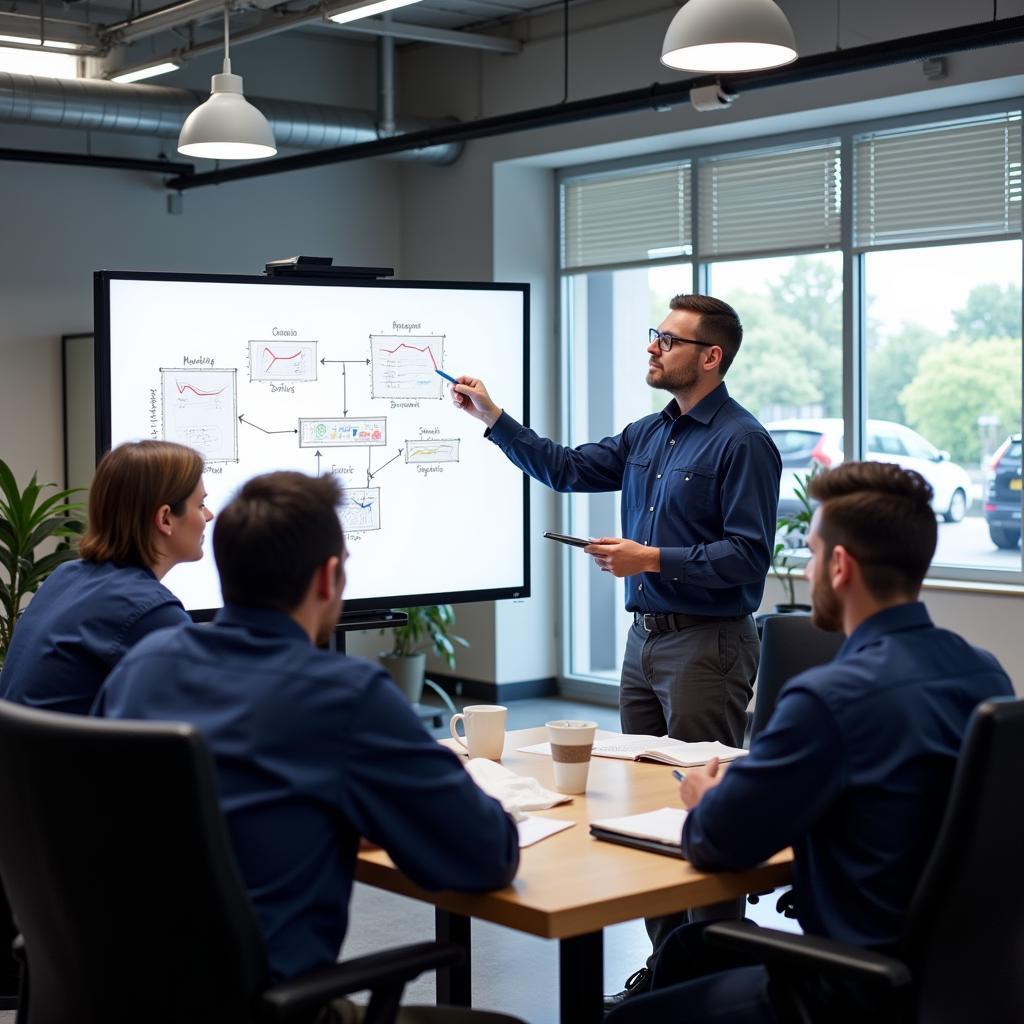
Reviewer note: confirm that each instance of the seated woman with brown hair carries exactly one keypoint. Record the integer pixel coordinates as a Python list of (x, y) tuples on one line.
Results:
[(146, 514)]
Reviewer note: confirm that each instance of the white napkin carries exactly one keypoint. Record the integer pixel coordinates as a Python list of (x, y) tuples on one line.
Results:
[(516, 793)]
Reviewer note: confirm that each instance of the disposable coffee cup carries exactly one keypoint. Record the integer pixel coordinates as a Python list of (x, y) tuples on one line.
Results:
[(571, 743), (485, 730)]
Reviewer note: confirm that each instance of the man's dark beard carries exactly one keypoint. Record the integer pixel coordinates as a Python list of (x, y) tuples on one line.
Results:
[(685, 377), (826, 611)]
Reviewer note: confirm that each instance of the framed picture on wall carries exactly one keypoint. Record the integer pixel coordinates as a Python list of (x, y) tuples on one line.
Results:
[(79, 392)]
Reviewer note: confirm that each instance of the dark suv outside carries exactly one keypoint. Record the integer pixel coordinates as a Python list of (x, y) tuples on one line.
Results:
[(1003, 494)]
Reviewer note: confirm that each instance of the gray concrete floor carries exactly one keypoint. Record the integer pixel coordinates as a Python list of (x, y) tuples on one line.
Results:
[(512, 972)]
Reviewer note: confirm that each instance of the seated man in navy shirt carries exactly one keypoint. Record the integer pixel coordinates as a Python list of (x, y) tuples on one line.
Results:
[(854, 767), (313, 749)]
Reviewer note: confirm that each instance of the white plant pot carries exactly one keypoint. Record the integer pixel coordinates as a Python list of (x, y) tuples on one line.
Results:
[(407, 670)]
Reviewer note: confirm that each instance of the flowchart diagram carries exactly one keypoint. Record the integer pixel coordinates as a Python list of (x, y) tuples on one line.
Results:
[(395, 388)]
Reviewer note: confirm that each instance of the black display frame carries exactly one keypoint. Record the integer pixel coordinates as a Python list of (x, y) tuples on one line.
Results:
[(357, 609)]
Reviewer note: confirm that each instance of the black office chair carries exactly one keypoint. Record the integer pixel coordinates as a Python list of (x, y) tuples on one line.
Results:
[(962, 954), (790, 644), (9, 979), (125, 890)]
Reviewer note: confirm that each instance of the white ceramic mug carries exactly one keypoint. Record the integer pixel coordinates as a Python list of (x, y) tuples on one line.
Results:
[(485, 730), (571, 745)]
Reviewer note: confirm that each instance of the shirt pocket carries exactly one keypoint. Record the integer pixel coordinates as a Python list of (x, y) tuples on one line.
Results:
[(635, 482), (694, 489)]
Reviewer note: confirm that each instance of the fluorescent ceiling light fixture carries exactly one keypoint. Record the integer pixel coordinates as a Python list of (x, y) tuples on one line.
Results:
[(57, 44), (137, 74), (727, 36), (226, 126), (365, 9)]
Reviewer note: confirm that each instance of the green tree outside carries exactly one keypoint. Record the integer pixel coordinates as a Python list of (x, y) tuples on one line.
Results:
[(991, 311), (958, 381), (892, 365)]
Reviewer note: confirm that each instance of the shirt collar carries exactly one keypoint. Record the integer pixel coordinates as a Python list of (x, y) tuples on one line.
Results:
[(704, 411), (260, 620), (898, 619)]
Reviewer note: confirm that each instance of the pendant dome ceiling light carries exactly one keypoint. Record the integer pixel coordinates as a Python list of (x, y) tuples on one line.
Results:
[(226, 126), (728, 36)]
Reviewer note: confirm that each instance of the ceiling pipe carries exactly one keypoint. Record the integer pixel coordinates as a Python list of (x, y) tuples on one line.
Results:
[(88, 104), (654, 97), (386, 85)]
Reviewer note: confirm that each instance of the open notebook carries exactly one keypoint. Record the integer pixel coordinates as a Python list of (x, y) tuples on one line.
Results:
[(664, 750)]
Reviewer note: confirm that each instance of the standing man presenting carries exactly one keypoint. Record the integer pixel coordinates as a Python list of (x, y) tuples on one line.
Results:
[(700, 494)]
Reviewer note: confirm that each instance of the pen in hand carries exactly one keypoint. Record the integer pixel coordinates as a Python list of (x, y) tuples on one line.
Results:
[(678, 775)]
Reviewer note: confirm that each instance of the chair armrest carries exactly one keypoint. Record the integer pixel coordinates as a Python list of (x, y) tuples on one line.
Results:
[(297, 997), (809, 953)]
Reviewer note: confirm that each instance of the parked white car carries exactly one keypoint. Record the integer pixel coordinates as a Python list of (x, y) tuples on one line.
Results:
[(803, 442)]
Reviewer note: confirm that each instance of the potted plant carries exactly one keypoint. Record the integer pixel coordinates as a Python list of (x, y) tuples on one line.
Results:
[(791, 532), (28, 518), (428, 626)]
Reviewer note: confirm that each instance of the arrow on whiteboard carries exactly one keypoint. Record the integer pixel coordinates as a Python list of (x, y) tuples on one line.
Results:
[(344, 391), (318, 458), (358, 362), (242, 419), (370, 475)]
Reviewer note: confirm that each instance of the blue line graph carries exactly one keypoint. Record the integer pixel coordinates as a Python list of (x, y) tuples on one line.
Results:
[(360, 509)]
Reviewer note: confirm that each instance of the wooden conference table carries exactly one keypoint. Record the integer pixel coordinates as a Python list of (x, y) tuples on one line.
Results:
[(570, 886)]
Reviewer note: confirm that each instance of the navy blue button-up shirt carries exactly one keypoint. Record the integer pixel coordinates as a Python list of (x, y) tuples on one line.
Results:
[(703, 487), (313, 750), (78, 627), (853, 771)]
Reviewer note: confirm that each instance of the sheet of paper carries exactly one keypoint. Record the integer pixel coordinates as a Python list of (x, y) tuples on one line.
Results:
[(533, 829), (664, 824), (517, 793), (545, 747)]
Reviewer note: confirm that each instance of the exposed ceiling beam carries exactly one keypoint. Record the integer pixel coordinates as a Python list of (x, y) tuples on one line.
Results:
[(272, 24), (90, 160), (428, 34), (160, 20), (59, 30), (658, 96)]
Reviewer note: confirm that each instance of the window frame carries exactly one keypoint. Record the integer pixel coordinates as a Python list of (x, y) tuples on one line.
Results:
[(854, 359)]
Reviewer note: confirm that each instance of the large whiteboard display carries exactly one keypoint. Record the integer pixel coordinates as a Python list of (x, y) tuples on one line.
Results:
[(265, 374)]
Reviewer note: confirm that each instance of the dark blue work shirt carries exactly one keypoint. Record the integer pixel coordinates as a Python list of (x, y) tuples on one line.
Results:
[(313, 750), (703, 487), (78, 627), (853, 771)]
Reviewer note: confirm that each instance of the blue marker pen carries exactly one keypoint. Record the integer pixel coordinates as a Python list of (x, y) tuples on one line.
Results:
[(678, 775), (441, 373)]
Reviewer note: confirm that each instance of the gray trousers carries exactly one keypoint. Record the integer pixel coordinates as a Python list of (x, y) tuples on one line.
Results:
[(693, 684)]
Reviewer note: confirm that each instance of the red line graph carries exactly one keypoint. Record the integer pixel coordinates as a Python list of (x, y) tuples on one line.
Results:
[(274, 359), (182, 388), (415, 348)]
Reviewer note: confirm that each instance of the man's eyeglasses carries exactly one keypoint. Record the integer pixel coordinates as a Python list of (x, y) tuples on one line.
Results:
[(666, 340)]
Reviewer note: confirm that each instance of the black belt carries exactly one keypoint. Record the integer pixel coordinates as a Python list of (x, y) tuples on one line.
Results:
[(671, 622)]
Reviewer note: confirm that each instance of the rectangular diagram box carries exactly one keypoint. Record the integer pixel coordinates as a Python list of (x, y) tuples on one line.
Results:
[(199, 410), (342, 432), (282, 359), (428, 450), (360, 509), (403, 366)]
